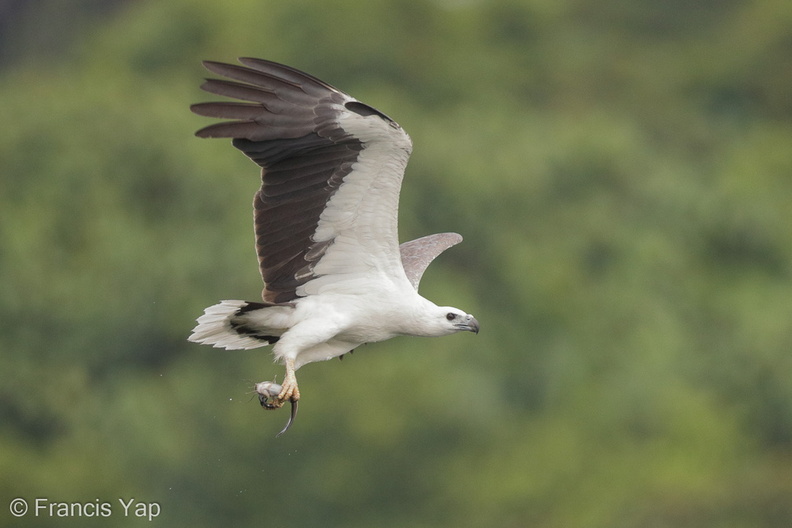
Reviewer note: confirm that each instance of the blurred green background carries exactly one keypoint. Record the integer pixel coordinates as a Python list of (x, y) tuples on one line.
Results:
[(621, 173)]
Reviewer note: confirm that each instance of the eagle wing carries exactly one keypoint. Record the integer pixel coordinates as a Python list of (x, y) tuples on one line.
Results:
[(417, 254), (331, 172)]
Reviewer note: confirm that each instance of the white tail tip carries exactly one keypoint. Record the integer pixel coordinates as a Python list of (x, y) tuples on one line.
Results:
[(214, 328)]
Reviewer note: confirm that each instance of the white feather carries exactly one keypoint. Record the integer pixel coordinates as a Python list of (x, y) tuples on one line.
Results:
[(214, 328)]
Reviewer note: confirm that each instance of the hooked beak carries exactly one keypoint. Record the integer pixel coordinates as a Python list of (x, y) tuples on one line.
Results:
[(469, 325)]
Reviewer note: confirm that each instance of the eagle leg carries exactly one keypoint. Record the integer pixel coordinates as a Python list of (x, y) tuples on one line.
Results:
[(289, 390)]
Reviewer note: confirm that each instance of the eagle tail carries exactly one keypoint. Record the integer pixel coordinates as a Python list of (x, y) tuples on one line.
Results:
[(235, 325)]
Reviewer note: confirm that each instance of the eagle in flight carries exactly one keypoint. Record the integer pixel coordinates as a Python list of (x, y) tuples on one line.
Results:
[(325, 218)]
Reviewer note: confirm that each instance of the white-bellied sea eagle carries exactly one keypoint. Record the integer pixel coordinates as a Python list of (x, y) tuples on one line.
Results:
[(335, 276)]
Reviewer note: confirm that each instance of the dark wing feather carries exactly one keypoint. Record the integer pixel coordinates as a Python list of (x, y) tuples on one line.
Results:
[(290, 129)]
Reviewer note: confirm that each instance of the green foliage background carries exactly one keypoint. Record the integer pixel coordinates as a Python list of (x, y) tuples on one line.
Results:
[(621, 172)]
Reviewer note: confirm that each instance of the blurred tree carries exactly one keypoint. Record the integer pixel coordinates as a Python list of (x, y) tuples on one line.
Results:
[(621, 174), (33, 29)]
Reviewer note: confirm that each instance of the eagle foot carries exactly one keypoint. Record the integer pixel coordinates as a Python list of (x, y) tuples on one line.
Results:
[(271, 396)]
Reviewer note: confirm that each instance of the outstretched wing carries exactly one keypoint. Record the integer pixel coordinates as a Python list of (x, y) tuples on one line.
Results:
[(417, 254), (331, 174)]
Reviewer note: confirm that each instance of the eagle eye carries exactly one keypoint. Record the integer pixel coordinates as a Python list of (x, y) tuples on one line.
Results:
[(450, 316)]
